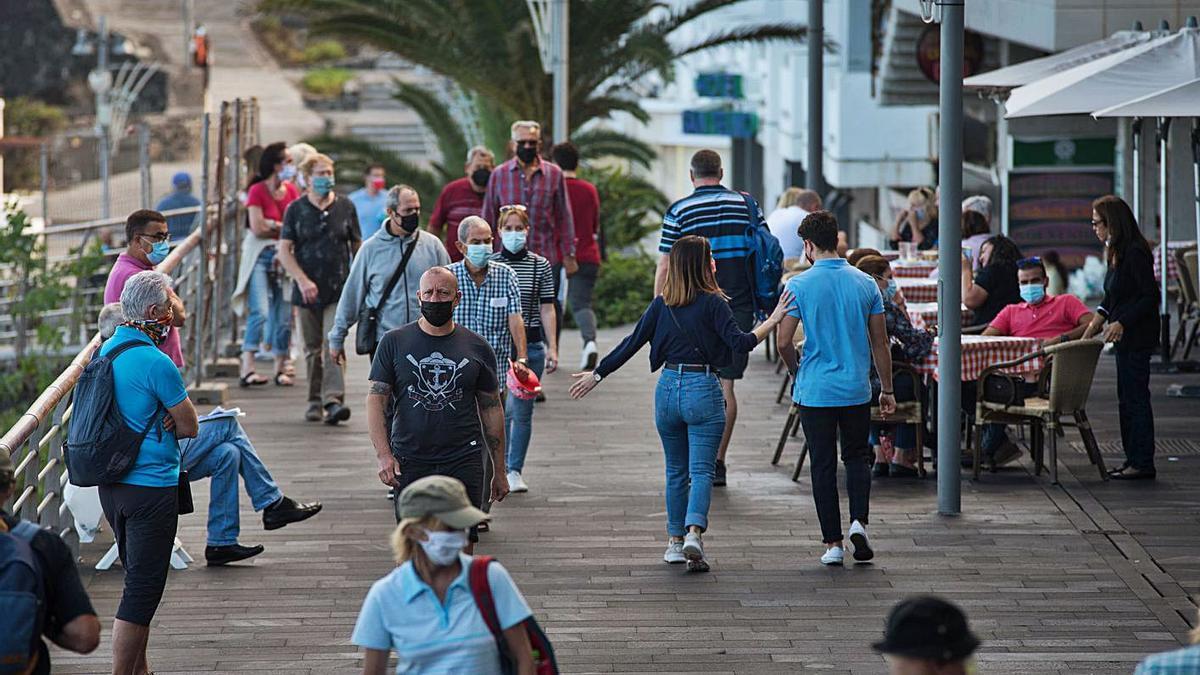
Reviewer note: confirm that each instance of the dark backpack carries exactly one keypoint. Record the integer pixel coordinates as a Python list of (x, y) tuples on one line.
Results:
[(543, 652), (765, 264), (101, 447), (21, 596)]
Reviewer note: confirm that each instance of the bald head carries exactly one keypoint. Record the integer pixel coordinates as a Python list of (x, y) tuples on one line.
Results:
[(438, 284)]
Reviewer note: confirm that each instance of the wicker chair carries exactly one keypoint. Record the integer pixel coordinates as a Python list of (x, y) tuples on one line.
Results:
[(1189, 303), (1072, 367)]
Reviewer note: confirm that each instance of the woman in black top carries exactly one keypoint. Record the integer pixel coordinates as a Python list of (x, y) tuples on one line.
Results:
[(1130, 296), (691, 330), (995, 287)]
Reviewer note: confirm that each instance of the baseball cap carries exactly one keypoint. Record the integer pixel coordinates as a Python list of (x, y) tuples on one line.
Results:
[(927, 627), (181, 179), (442, 497)]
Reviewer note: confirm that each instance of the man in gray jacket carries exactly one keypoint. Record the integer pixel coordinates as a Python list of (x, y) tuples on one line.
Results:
[(378, 260)]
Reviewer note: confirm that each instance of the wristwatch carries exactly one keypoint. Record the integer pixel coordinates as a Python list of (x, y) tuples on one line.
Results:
[(597, 376), (523, 361)]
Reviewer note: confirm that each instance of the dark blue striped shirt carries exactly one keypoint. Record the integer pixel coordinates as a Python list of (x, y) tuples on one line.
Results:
[(721, 216)]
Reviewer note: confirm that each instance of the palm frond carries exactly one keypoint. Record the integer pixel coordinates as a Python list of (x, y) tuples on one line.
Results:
[(747, 34), (436, 117), (595, 143)]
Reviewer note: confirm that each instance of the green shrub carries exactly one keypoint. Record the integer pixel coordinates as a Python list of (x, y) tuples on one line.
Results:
[(630, 206), (325, 50), (24, 116), (326, 82), (624, 289)]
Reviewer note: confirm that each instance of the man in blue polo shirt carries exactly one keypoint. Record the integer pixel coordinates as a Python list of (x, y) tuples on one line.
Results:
[(721, 216), (842, 312)]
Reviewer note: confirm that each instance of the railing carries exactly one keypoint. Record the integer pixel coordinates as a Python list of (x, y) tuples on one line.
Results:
[(205, 264)]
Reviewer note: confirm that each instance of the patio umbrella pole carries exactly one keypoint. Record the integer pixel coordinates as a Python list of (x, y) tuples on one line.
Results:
[(1136, 136), (1164, 129)]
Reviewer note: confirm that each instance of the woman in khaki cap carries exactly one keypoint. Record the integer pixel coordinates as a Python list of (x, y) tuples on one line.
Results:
[(424, 609)]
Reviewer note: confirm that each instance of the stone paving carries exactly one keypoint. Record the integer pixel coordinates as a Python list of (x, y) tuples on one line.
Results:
[(1089, 577)]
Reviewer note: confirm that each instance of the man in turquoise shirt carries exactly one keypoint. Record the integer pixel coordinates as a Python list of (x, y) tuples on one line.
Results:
[(842, 313)]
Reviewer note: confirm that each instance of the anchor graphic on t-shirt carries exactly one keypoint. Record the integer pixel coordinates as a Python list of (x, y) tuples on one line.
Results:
[(436, 377)]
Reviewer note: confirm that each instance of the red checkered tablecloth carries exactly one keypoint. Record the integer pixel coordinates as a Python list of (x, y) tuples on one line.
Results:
[(913, 270), (918, 290), (979, 352), (1172, 266), (924, 314)]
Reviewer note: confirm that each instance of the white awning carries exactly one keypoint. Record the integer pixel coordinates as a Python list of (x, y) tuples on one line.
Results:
[(1033, 70), (1182, 100)]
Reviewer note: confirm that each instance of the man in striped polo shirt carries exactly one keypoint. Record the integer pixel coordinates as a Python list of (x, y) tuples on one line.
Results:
[(720, 215)]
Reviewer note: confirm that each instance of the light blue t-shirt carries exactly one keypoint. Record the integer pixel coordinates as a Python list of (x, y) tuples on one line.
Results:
[(402, 613), (834, 301), (145, 378), (371, 210)]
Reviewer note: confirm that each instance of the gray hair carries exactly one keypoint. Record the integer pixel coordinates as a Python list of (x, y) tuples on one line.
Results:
[(480, 150), (467, 223), (110, 317), (142, 291), (524, 124), (393, 195)]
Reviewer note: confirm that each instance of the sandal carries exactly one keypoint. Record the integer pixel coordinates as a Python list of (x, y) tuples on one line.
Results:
[(252, 379), (283, 379), (289, 368)]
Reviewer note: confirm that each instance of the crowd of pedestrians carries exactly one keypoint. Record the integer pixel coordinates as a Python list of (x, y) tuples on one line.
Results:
[(461, 320)]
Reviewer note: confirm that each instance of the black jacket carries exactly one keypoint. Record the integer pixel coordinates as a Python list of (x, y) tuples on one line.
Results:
[(1130, 296)]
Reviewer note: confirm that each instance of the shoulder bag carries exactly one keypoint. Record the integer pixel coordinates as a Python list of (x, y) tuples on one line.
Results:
[(367, 337)]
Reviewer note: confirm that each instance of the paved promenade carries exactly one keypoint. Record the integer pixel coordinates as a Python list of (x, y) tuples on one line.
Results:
[(1086, 578)]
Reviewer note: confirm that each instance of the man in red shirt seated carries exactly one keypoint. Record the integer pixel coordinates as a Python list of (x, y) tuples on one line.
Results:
[(1053, 319)]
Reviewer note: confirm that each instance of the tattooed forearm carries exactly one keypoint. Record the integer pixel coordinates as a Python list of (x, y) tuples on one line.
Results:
[(487, 401), (380, 388)]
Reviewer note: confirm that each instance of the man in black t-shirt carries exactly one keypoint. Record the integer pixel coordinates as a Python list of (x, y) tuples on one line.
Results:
[(440, 380), (69, 620)]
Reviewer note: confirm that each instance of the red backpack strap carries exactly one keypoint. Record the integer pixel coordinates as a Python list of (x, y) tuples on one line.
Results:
[(482, 590)]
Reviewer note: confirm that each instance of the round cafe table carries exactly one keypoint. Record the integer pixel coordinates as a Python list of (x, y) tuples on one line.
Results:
[(925, 314), (918, 290)]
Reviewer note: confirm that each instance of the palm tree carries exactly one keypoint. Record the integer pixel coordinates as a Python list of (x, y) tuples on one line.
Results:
[(489, 49)]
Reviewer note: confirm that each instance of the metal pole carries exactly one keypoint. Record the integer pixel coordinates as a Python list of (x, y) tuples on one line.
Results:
[(1136, 138), (814, 172), (1164, 134), (201, 254), (44, 169), (144, 163), (187, 33), (102, 121), (1196, 183), (560, 32), (949, 446)]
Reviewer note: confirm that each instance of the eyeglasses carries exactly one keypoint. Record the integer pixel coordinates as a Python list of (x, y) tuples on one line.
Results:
[(509, 208), (529, 144), (157, 238)]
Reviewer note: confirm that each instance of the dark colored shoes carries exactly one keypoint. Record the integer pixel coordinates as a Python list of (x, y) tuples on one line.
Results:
[(879, 470), (223, 555), (336, 412), (719, 475), (901, 471), (314, 413), (1130, 473), (287, 511)]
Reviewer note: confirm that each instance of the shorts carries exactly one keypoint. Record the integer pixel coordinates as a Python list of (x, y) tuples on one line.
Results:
[(468, 470), (744, 318), (143, 522)]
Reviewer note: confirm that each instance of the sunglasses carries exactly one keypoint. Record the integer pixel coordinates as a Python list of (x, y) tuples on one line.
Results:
[(509, 208), (528, 144)]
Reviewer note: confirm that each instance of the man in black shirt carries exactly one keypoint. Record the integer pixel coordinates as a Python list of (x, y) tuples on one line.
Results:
[(440, 379), (319, 237), (68, 618)]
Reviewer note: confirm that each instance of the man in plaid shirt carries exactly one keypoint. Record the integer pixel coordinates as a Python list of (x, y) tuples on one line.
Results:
[(540, 187)]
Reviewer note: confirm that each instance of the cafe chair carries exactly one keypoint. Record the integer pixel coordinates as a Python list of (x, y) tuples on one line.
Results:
[(1189, 303), (1072, 367), (907, 412)]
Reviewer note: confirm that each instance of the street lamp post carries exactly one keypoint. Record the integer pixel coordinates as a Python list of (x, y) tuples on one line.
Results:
[(814, 177), (100, 81), (551, 27)]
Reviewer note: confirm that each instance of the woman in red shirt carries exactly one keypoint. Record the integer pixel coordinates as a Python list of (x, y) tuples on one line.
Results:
[(269, 315)]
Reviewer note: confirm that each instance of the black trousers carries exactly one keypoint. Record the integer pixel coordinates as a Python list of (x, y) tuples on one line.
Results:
[(468, 469), (143, 521), (822, 427), (1133, 408)]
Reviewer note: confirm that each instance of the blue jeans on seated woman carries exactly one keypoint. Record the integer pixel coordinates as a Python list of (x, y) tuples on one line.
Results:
[(689, 411), (518, 413), (268, 309)]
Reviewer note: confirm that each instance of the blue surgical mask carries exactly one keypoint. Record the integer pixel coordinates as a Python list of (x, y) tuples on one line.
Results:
[(478, 254), (1032, 293), (321, 185), (513, 240), (158, 252), (288, 172), (892, 287)]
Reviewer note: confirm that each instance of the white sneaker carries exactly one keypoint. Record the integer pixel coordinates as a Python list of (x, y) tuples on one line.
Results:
[(590, 355), (693, 548), (516, 483), (862, 546), (833, 556), (674, 554)]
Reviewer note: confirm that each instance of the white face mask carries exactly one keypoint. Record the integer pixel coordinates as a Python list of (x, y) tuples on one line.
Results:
[(443, 547)]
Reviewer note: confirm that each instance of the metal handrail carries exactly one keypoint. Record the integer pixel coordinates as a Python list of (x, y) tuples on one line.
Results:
[(112, 222)]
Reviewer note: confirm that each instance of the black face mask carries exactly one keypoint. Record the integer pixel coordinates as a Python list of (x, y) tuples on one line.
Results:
[(410, 222), (480, 176), (437, 313), (526, 153)]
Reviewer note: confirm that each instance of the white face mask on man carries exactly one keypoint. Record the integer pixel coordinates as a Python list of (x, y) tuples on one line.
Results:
[(443, 548)]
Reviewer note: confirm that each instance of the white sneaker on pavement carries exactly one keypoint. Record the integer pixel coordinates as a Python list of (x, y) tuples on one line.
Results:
[(693, 548), (862, 546), (833, 556), (589, 357), (516, 483), (674, 554)]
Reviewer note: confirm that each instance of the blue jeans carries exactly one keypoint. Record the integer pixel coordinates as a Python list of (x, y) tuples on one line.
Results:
[(518, 414), (689, 411), (269, 313), (222, 450)]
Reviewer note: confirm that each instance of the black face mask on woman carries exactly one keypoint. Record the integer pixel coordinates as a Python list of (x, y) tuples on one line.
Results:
[(437, 313), (480, 176)]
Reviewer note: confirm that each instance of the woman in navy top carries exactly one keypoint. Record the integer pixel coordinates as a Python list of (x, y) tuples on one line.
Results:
[(692, 333)]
